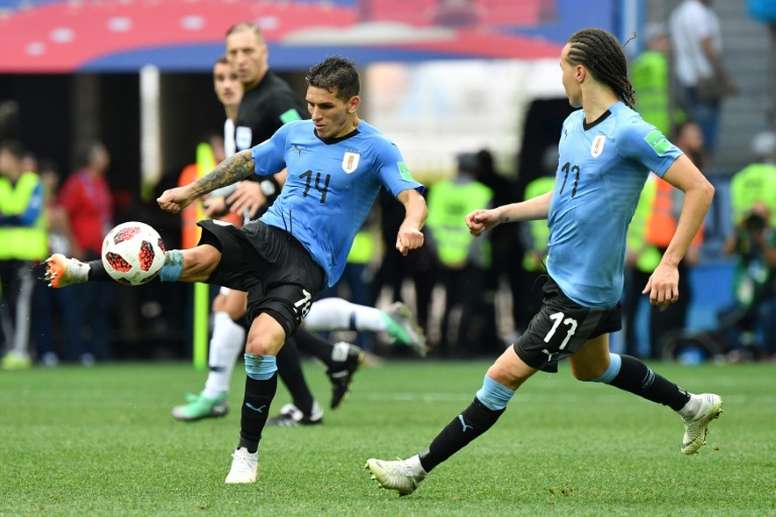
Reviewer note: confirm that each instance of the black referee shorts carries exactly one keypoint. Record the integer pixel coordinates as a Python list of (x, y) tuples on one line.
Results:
[(276, 271), (561, 327)]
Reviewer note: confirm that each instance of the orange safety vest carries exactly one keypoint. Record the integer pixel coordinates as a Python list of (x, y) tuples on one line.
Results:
[(189, 215), (662, 221)]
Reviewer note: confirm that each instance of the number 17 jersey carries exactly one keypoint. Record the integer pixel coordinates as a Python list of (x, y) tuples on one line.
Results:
[(330, 187), (602, 167)]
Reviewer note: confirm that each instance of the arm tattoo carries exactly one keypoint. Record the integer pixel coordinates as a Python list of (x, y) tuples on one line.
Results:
[(233, 169)]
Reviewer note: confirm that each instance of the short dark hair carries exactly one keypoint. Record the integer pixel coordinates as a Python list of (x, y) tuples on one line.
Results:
[(221, 61), (336, 75), (14, 147), (245, 26), (602, 54)]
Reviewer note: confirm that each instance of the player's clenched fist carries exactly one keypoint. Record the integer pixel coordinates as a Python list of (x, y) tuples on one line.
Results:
[(175, 199), (481, 220), (408, 239)]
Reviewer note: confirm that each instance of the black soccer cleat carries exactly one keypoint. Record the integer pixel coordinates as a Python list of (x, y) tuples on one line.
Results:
[(292, 416), (347, 358)]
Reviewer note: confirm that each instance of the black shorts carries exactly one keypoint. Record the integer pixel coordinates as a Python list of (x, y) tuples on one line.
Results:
[(562, 326), (277, 272)]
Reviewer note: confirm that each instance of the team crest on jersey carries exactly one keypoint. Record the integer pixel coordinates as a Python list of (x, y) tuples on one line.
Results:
[(350, 162), (598, 146)]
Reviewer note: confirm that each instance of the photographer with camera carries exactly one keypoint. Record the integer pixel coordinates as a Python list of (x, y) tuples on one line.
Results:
[(753, 196)]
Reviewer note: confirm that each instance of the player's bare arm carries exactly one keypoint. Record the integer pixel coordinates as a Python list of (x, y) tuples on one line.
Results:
[(531, 209), (231, 170), (663, 285), (410, 237)]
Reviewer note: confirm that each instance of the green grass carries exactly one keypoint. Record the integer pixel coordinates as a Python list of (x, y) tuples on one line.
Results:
[(101, 441)]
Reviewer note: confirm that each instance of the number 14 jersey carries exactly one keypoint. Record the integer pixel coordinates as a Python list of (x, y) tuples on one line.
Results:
[(330, 187), (602, 167)]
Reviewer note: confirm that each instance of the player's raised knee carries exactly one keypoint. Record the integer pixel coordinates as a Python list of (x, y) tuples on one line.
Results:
[(262, 344), (509, 370), (266, 336), (504, 375), (587, 373), (601, 371)]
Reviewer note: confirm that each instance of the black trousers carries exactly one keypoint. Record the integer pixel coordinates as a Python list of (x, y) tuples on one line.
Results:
[(661, 322)]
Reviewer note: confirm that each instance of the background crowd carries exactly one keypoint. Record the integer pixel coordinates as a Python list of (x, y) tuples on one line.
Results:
[(471, 296)]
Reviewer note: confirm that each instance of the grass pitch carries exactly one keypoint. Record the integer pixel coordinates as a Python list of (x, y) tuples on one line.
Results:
[(101, 441)]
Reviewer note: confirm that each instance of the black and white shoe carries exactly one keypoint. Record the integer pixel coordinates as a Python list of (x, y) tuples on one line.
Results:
[(346, 358), (292, 416)]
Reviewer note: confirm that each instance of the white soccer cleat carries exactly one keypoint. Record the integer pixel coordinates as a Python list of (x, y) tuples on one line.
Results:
[(245, 467), (62, 271), (696, 427), (404, 476)]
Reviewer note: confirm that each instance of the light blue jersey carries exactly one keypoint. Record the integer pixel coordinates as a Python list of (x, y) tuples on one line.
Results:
[(331, 186), (601, 171)]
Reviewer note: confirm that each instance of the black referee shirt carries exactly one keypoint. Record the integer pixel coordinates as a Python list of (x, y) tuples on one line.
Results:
[(263, 109)]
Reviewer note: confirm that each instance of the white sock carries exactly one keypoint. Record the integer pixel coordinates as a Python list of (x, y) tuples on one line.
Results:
[(369, 319), (337, 314), (226, 344), (691, 408)]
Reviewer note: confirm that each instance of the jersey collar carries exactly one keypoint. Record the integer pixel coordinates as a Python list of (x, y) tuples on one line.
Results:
[(597, 121), (330, 141)]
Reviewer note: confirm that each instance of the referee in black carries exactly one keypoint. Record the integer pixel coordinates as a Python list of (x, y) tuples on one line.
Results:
[(268, 102)]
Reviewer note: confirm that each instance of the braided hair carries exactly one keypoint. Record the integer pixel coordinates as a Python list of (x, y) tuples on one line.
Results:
[(601, 53)]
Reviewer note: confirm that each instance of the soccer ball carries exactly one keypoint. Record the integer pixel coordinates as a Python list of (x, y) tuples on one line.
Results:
[(132, 253)]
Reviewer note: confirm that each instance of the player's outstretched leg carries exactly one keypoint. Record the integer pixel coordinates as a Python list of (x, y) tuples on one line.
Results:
[(632, 375), (62, 271), (189, 265), (265, 339), (339, 314), (498, 387)]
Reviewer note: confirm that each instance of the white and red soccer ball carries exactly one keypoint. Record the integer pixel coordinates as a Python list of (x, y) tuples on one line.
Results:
[(132, 253)]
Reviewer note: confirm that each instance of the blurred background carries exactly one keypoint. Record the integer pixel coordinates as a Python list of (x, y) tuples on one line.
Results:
[(120, 92)]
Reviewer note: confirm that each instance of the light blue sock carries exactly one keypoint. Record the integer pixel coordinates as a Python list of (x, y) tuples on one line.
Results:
[(173, 266), (260, 367), (494, 395), (615, 361)]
